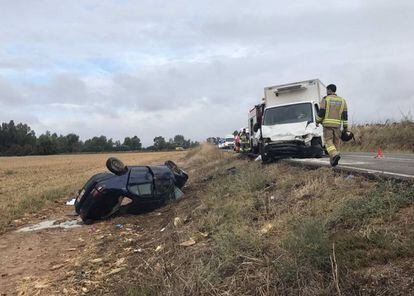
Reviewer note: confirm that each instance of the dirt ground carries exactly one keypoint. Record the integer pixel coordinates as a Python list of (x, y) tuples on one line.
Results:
[(54, 261), (231, 234), (75, 261), (28, 183)]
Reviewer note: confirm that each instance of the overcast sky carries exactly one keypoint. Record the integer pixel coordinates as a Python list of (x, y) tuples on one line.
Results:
[(149, 68)]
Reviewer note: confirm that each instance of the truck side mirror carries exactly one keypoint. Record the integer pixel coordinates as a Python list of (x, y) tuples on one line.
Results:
[(256, 127)]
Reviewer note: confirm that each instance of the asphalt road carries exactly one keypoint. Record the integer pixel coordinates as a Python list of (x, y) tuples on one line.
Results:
[(394, 165)]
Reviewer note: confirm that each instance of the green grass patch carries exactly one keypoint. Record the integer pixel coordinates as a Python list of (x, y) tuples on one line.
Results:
[(307, 248), (383, 202), (356, 250)]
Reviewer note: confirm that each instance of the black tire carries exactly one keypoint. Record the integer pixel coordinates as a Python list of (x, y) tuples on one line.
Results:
[(265, 158), (181, 176), (172, 166), (317, 150), (116, 166)]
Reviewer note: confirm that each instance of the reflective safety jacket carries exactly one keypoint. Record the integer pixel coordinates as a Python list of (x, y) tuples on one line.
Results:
[(244, 138), (332, 112)]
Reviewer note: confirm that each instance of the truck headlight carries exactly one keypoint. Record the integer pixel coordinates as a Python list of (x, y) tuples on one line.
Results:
[(305, 138), (308, 138)]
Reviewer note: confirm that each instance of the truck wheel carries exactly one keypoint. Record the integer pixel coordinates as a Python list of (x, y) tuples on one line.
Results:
[(317, 150), (265, 158), (116, 166)]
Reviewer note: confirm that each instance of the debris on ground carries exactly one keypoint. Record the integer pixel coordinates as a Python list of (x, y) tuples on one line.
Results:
[(208, 178), (349, 177), (177, 222), (51, 224), (188, 243), (115, 270), (71, 202), (266, 228), (231, 171)]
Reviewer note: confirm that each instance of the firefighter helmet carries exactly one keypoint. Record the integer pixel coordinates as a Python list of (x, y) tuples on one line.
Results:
[(347, 136)]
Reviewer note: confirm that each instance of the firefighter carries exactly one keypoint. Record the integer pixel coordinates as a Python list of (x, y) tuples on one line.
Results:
[(244, 141), (236, 141), (332, 114)]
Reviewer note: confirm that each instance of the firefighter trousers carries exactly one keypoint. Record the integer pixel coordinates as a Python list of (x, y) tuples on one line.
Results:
[(332, 140)]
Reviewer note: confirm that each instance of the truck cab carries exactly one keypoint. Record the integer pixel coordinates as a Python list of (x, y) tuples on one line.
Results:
[(288, 127)]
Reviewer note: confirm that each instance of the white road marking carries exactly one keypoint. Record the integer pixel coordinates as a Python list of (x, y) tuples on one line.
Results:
[(349, 166), (384, 158), (371, 171), (326, 161)]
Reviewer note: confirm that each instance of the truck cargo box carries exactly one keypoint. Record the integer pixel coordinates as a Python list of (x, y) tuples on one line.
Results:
[(303, 91)]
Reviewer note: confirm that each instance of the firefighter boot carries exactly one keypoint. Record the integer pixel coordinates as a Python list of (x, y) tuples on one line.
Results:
[(335, 159)]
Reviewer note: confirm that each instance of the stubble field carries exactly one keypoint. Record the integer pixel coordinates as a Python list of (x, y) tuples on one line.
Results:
[(28, 183), (242, 228)]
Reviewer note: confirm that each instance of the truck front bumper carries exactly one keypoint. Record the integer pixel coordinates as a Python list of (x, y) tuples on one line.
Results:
[(289, 149)]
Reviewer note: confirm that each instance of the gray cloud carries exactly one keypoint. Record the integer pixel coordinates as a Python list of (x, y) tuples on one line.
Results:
[(9, 95), (160, 68)]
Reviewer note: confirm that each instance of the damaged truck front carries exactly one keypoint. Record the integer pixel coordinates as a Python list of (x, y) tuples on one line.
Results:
[(288, 127)]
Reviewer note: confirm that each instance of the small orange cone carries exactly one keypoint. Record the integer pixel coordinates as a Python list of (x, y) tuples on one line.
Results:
[(379, 154)]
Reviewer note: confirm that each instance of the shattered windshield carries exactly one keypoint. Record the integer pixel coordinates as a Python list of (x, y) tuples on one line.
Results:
[(288, 114)]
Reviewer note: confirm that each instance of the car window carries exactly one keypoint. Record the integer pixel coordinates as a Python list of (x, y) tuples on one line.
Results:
[(139, 175), (163, 187), (141, 189)]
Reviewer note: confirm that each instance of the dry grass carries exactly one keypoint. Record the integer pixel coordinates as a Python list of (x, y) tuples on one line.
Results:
[(270, 232), (258, 230), (28, 183), (389, 136)]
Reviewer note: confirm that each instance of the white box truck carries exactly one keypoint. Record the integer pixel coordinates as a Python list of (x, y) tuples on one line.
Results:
[(288, 121)]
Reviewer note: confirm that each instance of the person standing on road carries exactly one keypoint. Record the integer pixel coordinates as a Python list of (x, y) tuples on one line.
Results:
[(236, 141), (333, 113), (244, 141)]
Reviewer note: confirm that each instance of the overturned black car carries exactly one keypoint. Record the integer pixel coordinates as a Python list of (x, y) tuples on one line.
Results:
[(129, 190)]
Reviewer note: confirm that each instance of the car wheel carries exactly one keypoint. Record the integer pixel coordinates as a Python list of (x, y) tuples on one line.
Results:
[(172, 166), (116, 166), (181, 176)]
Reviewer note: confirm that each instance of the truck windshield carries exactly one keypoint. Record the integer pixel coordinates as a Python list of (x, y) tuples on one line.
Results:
[(229, 139), (288, 114)]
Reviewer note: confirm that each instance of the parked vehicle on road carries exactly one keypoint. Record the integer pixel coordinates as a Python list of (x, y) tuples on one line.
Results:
[(220, 143), (286, 121), (228, 142)]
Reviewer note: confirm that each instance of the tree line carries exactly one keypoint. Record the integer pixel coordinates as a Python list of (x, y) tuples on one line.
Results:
[(19, 139)]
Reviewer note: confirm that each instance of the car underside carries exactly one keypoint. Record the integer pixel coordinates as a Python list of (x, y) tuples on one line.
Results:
[(144, 187)]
